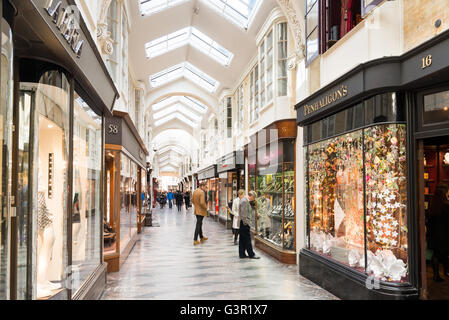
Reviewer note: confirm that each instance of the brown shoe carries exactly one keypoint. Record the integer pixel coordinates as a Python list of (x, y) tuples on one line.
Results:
[(195, 242), (204, 239)]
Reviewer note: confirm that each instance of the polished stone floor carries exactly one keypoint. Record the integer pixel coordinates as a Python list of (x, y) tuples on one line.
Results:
[(165, 265)]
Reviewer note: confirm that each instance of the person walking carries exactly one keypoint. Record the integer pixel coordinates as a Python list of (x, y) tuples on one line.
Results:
[(178, 199), (200, 211), (438, 229), (244, 231), (170, 198), (187, 199), (235, 214)]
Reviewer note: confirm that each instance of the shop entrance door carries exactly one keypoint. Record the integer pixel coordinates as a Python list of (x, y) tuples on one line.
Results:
[(433, 205)]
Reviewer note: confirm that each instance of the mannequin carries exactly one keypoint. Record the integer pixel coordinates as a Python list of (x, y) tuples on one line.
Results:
[(45, 242)]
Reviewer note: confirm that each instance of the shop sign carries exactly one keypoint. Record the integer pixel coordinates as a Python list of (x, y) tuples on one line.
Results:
[(67, 21), (326, 100)]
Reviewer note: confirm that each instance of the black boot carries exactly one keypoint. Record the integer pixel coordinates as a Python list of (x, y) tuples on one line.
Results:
[(436, 269)]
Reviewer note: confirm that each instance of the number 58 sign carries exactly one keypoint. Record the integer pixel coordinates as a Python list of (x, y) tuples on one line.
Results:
[(113, 129)]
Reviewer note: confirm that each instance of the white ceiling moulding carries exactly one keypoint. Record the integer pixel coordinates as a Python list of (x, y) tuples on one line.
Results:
[(149, 7), (188, 71), (193, 37), (240, 12)]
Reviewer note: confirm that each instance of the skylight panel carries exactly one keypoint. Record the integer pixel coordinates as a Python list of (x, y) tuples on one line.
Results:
[(175, 116), (188, 71), (210, 47), (167, 43), (149, 7), (194, 104), (177, 108), (189, 35), (172, 148), (238, 11)]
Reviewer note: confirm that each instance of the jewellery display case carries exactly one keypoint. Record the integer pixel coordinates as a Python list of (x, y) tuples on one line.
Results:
[(275, 187)]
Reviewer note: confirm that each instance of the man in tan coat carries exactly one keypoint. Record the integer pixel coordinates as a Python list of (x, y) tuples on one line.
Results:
[(199, 202)]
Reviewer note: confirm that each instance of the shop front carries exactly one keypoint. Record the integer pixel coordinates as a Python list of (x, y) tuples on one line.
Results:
[(231, 174), (125, 179), (274, 169), (210, 176), (376, 145), (53, 170)]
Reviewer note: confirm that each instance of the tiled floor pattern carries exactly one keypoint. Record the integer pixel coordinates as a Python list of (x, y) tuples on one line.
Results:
[(165, 264)]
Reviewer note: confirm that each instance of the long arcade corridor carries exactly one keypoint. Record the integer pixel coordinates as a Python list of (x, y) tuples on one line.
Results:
[(165, 265)]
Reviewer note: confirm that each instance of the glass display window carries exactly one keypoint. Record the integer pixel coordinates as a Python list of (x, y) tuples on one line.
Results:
[(87, 180), (128, 200), (6, 111), (275, 186), (43, 163), (357, 193)]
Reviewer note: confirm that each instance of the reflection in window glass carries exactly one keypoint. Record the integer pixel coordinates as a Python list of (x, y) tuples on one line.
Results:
[(436, 108), (336, 202), (5, 154), (128, 201), (386, 192), (336, 199), (51, 134), (86, 218)]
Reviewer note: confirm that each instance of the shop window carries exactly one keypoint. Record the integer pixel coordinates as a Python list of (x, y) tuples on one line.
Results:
[(6, 111), (436, 108), (87, 180), (43, 158), (357, 200), (327, 21)]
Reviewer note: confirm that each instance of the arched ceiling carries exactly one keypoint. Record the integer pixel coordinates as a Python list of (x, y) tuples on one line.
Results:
[(189, 49)]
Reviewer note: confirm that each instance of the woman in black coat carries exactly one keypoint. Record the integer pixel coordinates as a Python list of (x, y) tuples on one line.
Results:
[(438, 229)]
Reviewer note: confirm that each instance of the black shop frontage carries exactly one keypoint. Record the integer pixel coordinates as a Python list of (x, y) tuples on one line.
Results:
[(376, 146), (55, 94)]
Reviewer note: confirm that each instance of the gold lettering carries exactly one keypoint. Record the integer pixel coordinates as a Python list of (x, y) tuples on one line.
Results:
[(327, 100), (427, 61)]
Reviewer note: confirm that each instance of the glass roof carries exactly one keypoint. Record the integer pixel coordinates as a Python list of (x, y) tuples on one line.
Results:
[(192, 36), (238, 11), (186, 100), (177, 108), (185, 70), (149, 7), (175, 115), (171, 148)]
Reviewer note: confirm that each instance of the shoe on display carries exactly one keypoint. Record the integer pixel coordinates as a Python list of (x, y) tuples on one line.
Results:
[(196, 242)]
